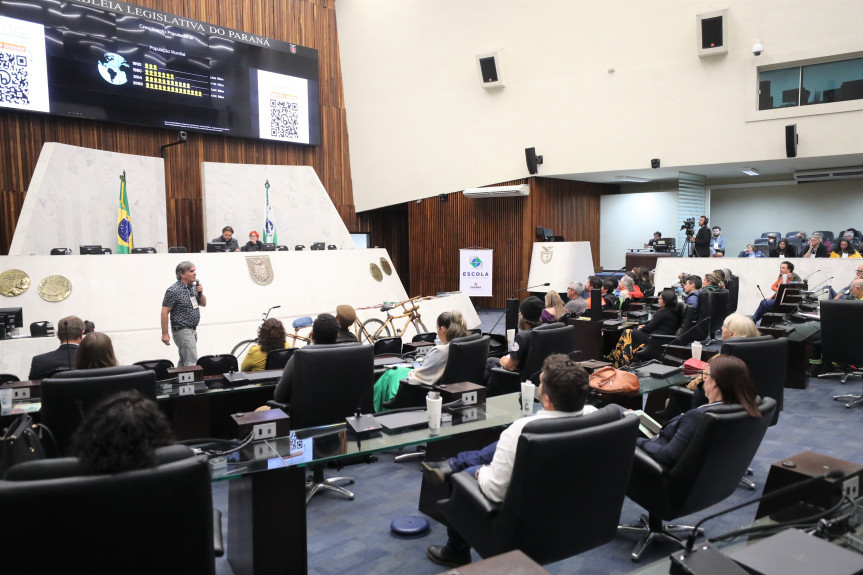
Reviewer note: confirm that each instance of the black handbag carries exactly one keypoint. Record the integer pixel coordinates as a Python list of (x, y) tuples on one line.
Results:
[(20, 442)]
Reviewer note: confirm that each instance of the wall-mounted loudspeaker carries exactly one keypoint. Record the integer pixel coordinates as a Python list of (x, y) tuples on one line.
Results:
[(712, 30), (532, 160), (791, 141), (490, 72)]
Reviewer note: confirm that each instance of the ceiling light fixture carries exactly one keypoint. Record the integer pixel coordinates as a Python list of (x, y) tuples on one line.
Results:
[(750, 171), (633, 179)]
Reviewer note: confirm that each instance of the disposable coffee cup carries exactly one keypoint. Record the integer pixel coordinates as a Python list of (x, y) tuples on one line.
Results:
[(528, 392), (433, 407), (5, 401), (696, 350), (510, 338)]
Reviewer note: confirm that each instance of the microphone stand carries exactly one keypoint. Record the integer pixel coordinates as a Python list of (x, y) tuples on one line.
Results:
[(511, 304), (679, 337)]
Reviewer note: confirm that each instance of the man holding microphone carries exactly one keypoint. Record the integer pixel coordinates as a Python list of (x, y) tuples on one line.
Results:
[(181, 302)]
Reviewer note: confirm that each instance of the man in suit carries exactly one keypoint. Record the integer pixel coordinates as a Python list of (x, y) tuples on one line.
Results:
[(70, 330)]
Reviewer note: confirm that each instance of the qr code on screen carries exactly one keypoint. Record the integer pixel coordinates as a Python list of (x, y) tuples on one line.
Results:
[(14, 84), (284, 119)]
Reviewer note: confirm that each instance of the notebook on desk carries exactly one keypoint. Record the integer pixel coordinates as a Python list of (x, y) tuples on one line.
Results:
[(244, 378), (658, 371), (403, 420)]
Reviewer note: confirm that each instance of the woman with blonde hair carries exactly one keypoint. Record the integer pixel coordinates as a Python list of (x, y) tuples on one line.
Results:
[(554, 309), (450, 325)]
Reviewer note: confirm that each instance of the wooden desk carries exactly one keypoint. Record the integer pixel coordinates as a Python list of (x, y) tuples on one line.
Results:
[(645, 259)]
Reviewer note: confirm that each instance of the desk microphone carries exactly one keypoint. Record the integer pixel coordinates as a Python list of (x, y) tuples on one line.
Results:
[(822, 283), (761, 292), (809, 276)]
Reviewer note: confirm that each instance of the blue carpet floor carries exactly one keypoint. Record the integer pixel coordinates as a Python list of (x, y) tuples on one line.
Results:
[(353, 536)]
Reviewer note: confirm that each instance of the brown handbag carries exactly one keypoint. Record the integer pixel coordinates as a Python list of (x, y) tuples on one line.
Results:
[(611, 380)]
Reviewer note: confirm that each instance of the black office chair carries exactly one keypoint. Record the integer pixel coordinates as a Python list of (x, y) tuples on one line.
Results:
[(299, 248), (840, 344), (177, 250), (792, 234), (332, 247), (68, 396), (143, 250), (218, 364), (777, 234), (388, 345), (427, 336), (159, 366), (278, 358), (826, 236), (554, 507), (733, 287), (61, 252), (283, 249), (106, 250), (544, 340), (465, 361), (330, 382), (714, 305), (100, 523), (8, 378), (709, 470), (656, 344)]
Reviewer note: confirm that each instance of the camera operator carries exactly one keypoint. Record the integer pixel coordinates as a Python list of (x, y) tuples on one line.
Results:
[(701, 241)]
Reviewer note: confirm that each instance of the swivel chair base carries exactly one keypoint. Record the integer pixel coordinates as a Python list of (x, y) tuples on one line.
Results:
[(748, 483), (851, 399), (845, 375), (317, 483), (652, 527)]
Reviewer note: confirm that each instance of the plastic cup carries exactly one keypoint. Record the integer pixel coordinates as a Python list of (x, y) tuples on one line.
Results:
[(5, 401), (528, 392), (696, 350), (510, 338), (433, 407)]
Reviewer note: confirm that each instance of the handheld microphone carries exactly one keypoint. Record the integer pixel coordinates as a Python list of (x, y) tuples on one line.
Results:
[(832, 474), (546, 284), (679, 337)]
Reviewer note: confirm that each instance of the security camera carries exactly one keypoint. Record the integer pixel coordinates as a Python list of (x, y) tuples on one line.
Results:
[(183, 137), (757, 48)]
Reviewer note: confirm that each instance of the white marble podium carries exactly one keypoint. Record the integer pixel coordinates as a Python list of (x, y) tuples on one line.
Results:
[(122, 295), (560, 263)]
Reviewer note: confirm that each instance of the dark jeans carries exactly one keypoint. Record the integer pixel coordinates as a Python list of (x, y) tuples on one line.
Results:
[(468, 461), (765, 306)]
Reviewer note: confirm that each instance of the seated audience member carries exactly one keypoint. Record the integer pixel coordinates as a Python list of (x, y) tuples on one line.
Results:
[(562, 391), (70, 330), (529, 313), (576, 304), (253, 245), (726, 382), (450, 325), (554, 308), (783, 250), (710, 283), (643, 280), (271, 335), (717, 242), (346, 316), (593, 283), (627, 292), (664, 322), (750, 252), (95, 351), (231, 244), (121, 433), (89, 327), (801, 236), (325, 330), (692, 290), (786, 275), (720, 278), (815, 249), (771, 242), (609, 300), (844, 249), (816, 366), (656, 236), (636, 292)]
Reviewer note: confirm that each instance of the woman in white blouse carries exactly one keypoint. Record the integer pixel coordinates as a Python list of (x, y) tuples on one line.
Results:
[(450, 325)]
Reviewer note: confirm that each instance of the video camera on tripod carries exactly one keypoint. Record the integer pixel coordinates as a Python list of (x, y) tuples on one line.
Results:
[(689, 226)]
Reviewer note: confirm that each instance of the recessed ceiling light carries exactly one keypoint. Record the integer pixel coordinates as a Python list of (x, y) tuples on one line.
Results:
[(750, 171), (633, 179)]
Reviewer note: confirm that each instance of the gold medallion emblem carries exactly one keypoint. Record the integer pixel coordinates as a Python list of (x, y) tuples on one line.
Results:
[(385, 265), (376, 272), (13, 283), (55, 288), (546, 253), (260, 269)]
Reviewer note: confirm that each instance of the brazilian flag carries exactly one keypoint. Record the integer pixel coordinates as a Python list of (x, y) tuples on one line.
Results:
[(124, 221)]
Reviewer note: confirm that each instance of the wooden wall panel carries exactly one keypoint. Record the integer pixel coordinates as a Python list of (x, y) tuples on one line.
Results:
[(437, 230), (309, 23), (389, 229)]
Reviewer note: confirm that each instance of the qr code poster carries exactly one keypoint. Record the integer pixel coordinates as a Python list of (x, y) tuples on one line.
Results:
[(23, 68), (283, 107)]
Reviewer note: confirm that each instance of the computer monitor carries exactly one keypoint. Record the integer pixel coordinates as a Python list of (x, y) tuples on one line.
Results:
[(90, 250), (665, 245), (11, 318), (548, 234), (215, 247), (362, 240)]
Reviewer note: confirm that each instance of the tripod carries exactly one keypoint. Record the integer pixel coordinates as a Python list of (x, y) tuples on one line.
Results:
[(684, 249)]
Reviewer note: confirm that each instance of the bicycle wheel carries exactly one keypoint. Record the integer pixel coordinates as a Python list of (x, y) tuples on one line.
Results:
[(373, 330), (242, 346), (419, 326)]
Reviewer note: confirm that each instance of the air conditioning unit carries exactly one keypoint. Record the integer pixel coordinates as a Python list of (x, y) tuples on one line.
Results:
[(826, 174), (498, 191)]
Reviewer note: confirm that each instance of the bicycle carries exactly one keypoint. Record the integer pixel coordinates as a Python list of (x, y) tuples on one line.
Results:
[(298, 324), (374, 329)]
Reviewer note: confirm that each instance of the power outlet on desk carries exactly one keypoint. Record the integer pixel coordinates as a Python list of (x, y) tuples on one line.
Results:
[(263, 451), (264, 431), (851, 487), (469, 397), (469, 414), (22, 393)]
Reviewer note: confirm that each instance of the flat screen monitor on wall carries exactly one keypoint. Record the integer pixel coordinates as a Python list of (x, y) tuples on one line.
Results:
[(362, 240), (118, 62)]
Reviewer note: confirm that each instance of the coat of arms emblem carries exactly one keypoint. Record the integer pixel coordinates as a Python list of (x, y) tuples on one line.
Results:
[(546, 253), (260, 269)]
